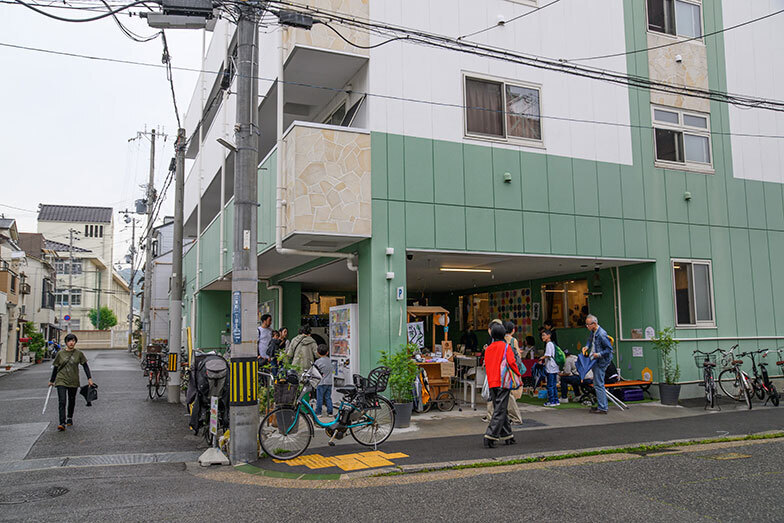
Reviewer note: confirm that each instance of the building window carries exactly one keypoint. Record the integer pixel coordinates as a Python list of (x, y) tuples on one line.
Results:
[(693, 288), (504, 110), (675, 17), (100, 231), (86, 231), (76, 324), (76, 296), (13, 284), (565, 303), (61, 297), (682, 137)]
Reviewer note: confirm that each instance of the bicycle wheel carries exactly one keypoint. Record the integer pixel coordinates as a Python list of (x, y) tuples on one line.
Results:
[(151, 385), (285, 433), (774, 395), (759, 390), (160, 387), (710, 392), (445, 401), (747, 393), (382, 420), (730, 385)]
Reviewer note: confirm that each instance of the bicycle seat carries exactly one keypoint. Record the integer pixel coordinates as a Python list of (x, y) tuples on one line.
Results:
[(780, 362), (708, 364), (762, 364), (737, 362), (348, 389)]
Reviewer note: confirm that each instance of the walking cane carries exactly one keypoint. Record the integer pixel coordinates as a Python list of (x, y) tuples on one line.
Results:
[(46, 402)]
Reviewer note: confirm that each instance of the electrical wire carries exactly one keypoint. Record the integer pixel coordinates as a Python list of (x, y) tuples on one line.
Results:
[(166, 59), (369, 94), (358, 46), (501, 24), (646, 49), (127, 32), (82, 20)]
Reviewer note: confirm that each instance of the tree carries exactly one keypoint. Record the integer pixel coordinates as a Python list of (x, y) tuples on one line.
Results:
[(108, 319)]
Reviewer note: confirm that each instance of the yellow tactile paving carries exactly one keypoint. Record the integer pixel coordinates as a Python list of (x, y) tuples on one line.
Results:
[(346, 462)]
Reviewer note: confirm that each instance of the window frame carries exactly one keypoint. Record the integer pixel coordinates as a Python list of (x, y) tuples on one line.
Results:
[(697, 323), (684, 129), (676, 36), (567, 323), (515, 140)]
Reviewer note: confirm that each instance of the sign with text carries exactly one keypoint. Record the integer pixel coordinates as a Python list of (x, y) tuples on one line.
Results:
[(416, 333), (236, 317)]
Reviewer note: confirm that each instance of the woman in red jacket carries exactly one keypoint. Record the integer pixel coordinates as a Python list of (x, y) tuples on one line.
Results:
[(499, 427)]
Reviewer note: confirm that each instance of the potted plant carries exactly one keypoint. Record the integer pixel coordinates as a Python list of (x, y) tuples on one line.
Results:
[(664, 342), (403, 372)]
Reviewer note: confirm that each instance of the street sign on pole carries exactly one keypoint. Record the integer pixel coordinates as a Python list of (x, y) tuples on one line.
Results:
[(67, 318), (236, 317)]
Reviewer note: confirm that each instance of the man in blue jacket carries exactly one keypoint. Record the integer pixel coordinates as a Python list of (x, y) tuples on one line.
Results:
[(602, 351)]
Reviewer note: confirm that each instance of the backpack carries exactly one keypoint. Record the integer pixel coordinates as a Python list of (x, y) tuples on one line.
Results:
[(560, 357)]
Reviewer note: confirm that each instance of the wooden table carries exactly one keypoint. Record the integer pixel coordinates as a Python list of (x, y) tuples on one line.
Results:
[(437, 382)]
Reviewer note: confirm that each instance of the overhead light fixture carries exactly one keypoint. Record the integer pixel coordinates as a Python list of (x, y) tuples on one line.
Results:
[(463, 269), (227, 144)]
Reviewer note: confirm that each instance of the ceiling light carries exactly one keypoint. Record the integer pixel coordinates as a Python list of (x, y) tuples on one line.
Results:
[(463, 269)]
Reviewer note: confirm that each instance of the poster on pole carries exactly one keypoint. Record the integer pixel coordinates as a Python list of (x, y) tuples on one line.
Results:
[(416, 333), (236, 317)]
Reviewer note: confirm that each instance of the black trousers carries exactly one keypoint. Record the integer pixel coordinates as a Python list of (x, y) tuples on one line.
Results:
[(70, 393), (499, 427), (574, 381)]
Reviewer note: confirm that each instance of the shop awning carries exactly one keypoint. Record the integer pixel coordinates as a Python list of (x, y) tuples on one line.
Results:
[(422, 310)]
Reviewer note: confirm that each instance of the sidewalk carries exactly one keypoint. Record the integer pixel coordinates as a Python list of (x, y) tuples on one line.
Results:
[(438, 439), (19, 366)]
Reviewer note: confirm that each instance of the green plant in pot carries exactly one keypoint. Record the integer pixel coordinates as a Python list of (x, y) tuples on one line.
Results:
[(403, 372), (667, 345)]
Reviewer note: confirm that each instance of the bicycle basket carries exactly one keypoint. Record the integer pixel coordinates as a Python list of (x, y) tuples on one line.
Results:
[(699, 359), (284, 393)]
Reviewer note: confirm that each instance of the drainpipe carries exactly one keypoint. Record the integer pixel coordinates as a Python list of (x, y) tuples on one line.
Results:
[(280, 299), (281, 201)]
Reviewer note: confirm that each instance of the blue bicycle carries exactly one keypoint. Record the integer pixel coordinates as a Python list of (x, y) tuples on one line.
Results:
[(285, 433)]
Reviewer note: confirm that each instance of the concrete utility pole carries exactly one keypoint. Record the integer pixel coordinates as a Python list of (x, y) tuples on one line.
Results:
[(244, 413), (71, 232), (147, 299), (132, 255), (175, 296)]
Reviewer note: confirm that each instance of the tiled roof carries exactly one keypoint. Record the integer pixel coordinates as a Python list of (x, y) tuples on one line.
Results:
[(74, 213), (61, 247), (6, 223)]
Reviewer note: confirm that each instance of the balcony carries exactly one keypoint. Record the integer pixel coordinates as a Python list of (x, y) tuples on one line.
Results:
[(322, 37), (326, 176), (9, 283)]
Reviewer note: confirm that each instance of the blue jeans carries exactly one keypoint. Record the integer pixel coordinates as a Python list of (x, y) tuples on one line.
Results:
[(598, 384), (552, 390), (323, 393)]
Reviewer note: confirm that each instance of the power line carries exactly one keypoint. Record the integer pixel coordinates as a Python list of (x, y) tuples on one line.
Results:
[(501, 24), (646, 49), (16, 208), (166, 59), (369, 94), (81, 20), (127, 32)]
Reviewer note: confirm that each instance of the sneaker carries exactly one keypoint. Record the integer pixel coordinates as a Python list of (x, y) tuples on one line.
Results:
[(565, 400), (548, 404), (69, 422), (60, 428), (557, 404)]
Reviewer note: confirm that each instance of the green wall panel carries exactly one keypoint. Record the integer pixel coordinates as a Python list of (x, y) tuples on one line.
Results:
[(509, 231), (588, 236), (776, 247), (699, 237), (480, 230), (478, 169), (717, 200), (609, 189), (612, 237), (378, 164), (586, 189), (536, 232), (448, 172), (418, 169), (228, 237), (635, 237), (632, 192), (563, 236), (774, 205), (743, 278), (210, 252), (698, 205), (680, 246), (723, 287), (560, 186), (655, 194), (450, 227), (637, 285), (535, 192), (736, 202), (761, 278), (420, 229), (213, 310), (755, 204), (395, 155), (675, 185), (507, 195)]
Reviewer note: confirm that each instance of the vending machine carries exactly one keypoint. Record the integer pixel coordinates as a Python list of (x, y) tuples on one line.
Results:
[(343, 345)]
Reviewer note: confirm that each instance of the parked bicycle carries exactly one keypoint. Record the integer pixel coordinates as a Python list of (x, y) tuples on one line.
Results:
[(285, 433), (762, 380), (707, 362), (733, 381), (157, 374)]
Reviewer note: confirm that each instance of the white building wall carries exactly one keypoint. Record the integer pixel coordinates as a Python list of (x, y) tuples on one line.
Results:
[(565, 30), (754, 57), (159, 316)]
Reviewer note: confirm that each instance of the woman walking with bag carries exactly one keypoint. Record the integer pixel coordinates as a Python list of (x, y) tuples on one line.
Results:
[(499, 354), (65, 377)]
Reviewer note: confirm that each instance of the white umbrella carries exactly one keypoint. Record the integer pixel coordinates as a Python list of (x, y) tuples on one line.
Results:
[(48, 393)]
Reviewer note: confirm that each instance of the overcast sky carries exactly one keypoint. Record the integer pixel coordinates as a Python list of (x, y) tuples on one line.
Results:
[(66, 121)]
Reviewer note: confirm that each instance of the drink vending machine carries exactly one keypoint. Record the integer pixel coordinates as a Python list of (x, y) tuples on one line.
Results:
[(343, 345)]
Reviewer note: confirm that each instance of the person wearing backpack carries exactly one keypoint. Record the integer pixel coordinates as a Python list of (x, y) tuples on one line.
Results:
[(551, 368)]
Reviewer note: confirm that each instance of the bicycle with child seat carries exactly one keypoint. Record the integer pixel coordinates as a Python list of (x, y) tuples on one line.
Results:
[(762, 383), (286, 432), (733, 381), (707, 362), (157, 374)]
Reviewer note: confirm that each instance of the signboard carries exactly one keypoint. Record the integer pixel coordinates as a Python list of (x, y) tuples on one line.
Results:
[(401, 293), (416, 333), (636, 352), (650, 333), (236, 317), (67, 318), (214, 415)]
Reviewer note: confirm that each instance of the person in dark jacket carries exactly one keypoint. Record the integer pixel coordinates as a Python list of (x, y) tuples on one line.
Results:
[(499, 428), (65, 377)]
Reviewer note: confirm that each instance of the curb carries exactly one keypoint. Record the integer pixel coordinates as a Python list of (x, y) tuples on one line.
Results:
[(499, 461)]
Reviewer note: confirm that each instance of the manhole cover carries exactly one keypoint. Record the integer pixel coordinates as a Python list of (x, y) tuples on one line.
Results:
[(15, 498)]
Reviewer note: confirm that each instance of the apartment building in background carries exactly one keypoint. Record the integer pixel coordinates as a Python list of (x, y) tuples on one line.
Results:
[(496, 189)]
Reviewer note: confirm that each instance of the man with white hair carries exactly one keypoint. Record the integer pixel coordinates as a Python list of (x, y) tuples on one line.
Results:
[(602, 351)]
